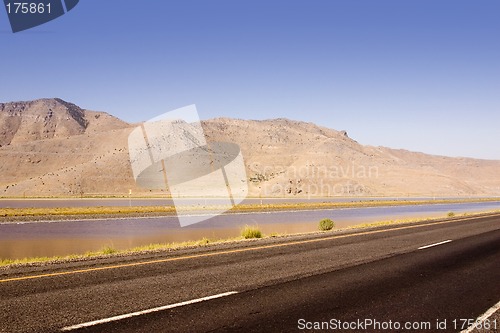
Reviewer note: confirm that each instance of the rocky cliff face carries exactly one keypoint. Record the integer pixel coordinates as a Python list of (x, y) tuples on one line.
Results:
[(41, 119), (22, 122)]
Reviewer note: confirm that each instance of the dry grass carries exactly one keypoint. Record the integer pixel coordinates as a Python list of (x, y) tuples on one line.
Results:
[(109, 251), (95, 211), (249, 232), (14, 212)]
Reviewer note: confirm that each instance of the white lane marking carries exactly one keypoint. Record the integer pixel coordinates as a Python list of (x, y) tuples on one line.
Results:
[(139, 313), (482, 318), (435, 244)]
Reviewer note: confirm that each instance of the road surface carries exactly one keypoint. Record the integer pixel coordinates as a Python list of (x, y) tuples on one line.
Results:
[(420, 274)]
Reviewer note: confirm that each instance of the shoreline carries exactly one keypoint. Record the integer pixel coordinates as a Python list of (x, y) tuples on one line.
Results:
[(205, 243), (16, 215)]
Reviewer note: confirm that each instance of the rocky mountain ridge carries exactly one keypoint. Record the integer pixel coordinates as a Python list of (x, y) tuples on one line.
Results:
[(22, 122), (50, 147)]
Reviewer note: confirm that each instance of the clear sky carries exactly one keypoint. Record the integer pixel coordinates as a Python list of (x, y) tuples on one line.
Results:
[(420, 75)]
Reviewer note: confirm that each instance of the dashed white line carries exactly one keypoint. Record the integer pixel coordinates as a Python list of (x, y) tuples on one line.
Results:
[(139, 313), (435, 244), (482, 318)]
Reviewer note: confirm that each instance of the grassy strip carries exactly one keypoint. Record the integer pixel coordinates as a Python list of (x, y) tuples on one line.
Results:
[(355, 204), (93, 211), (108, 251), (67, 211)]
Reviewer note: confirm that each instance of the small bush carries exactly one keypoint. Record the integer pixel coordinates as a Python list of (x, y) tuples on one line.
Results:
[(251, 232), (451, 214), (108, 250), (326, 224)]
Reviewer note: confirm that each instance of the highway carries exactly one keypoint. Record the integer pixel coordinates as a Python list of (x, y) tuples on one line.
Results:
[(418, 274)]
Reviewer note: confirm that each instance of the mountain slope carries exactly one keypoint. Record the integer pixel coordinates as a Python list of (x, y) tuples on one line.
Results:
[(53, 148), (22, 122), (287, 157)]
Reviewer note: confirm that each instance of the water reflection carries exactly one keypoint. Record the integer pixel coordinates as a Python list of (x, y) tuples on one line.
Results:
[(63, 238)]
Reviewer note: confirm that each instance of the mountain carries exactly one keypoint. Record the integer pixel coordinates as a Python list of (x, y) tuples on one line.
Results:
[(286, 157), (22, 122), (50, 147)]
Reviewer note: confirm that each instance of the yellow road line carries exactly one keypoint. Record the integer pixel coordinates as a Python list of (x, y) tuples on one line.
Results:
[(212, 254)]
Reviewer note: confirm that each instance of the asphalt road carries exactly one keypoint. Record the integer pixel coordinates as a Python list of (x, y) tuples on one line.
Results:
[(270, 285)]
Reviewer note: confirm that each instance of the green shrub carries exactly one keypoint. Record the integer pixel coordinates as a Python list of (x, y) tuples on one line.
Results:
[(108, 250), (326, 224), (251, 232), (451, 214)]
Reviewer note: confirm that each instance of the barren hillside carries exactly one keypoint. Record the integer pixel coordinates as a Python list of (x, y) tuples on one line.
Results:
[(296, 158), (53, 148)]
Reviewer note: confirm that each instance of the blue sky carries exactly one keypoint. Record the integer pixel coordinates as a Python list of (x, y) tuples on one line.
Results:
[(419, 75)]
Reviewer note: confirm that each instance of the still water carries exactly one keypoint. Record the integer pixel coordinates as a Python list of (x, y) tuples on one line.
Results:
[(20, 240)]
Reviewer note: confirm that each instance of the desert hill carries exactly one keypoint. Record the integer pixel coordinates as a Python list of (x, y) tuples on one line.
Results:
[(22, 122), (296, 157), (50, 147)]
